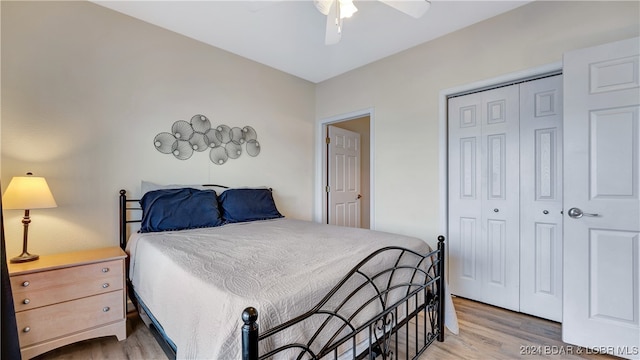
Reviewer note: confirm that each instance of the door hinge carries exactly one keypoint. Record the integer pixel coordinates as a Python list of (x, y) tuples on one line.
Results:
[(327, 189), (327, 140)]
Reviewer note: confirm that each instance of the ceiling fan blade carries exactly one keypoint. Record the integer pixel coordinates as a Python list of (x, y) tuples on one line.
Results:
[(333, 31), (324, 6), (415, 8)]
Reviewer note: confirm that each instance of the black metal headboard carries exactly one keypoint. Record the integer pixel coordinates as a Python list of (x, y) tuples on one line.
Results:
[(127, 205)]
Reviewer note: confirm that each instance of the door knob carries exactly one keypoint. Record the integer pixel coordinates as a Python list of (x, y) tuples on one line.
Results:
[(358, 197), (577, 213)]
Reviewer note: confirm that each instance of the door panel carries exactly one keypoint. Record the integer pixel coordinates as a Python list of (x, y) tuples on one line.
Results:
[(545, 160), (602, 247), (621, 160), (606, 245), (496, 163), (541, 198), (496, 241), (545, 268), (468, 243), (468, 171)]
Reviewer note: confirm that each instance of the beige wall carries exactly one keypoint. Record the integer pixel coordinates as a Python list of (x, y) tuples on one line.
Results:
[(404, 91), (86, 89)]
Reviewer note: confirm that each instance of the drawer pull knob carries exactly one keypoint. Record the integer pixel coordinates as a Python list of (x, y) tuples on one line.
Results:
[(105, 285), (27, 329), (105, 270), (106, 308), (25, 284), (26, 301)]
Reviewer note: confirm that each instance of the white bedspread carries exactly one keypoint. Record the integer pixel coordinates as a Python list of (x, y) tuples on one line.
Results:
[(197, 282)]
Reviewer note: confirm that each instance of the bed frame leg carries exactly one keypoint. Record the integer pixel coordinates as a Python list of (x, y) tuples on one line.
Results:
[(441, 285), (250, 334)]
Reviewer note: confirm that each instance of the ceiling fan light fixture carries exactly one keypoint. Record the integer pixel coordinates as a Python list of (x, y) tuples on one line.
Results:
[(347, 8), (337, 10)]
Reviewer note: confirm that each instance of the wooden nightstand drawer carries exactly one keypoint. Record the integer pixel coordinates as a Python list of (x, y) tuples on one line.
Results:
[(40, 324), (39, 289)]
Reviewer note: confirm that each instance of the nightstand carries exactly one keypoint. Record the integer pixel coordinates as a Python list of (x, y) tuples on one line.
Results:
[(63, 298)]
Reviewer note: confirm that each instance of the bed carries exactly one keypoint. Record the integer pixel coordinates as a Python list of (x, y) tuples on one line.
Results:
[(248, 283)]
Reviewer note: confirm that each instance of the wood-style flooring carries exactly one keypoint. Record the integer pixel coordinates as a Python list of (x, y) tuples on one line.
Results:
[(486, 332), (489, 332)]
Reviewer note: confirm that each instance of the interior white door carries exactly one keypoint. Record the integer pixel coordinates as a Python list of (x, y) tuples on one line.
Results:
[(541, 197), (602, 198), (465, 200), (484, 196), (343, 177)]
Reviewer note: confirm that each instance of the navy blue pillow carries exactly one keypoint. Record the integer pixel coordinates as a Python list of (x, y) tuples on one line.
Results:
[(239, 205), (179, 209)]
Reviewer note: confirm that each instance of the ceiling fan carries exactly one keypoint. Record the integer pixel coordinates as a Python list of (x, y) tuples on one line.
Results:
[(337, 10)]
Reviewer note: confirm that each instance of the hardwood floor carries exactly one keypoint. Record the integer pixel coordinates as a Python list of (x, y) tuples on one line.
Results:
[(140, 344), (486, 332)]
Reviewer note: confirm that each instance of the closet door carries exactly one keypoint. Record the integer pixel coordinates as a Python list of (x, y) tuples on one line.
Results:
[(484, 196), (541, 198), (501, 193), (465, 199)]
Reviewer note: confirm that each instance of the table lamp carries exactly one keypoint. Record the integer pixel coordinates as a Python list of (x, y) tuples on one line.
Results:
[(26, 193)]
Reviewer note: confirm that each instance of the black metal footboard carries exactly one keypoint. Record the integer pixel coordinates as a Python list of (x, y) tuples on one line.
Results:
[(395, 313)]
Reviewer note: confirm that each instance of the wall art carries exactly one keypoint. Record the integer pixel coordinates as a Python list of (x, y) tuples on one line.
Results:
[(223, 142)]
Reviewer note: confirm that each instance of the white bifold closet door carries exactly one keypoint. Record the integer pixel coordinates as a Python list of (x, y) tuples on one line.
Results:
[(484, 195), (505, 197), (541, 198)]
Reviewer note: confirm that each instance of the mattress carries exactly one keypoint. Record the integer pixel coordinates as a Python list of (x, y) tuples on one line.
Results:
[(197, 282)]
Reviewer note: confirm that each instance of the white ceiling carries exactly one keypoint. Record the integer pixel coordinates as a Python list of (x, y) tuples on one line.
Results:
[(289, 35)]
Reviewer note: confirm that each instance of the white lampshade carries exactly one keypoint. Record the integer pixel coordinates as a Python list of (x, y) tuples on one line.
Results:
[(28, 192)]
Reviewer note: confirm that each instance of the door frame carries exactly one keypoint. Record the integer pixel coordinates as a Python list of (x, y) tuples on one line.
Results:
[(481, 85), (320, 183)]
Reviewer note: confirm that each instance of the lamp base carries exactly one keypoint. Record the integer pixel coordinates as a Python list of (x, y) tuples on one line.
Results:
[(24, 257)]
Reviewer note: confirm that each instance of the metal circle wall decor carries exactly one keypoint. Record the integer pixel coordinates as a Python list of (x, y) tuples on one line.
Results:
[(182, 130), (233, 150), (224, 142), (253, 147), (164, 142), (218, 155), (198, 141), (182, 149), (225, 133), (249, 133), (200, 123)]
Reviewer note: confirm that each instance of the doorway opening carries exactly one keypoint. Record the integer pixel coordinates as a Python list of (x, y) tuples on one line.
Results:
[(362, 124)]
